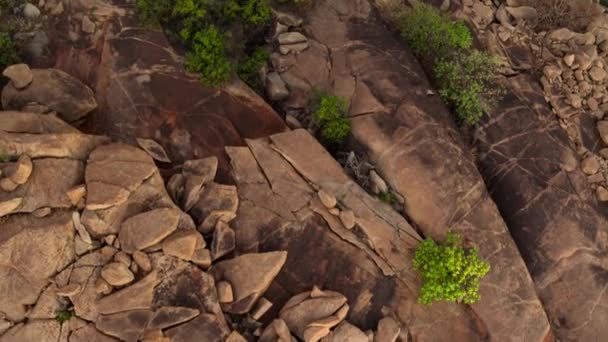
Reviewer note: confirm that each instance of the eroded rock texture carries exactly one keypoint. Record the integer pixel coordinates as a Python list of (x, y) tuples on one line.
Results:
[(410, 138), (552, 213), (143, 90)]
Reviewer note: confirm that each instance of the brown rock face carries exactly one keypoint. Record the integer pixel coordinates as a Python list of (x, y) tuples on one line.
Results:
[(32, 250), (66, 95), (551, 213), (147, 229), (410, 138), (150, 102)]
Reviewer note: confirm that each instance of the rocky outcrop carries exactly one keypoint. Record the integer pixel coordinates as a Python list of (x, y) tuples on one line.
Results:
[(406, 131), (143, 90)]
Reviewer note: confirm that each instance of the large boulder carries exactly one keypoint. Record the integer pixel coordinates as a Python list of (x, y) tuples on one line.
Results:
[(144, 91), (55, 89)]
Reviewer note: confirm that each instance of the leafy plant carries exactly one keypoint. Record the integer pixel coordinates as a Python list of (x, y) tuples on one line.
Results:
[(330, 116), (248, 70), (8, 51), (430, 32), (64, 316), (465, 80), (388, 198), (208, 57), (449, 272)]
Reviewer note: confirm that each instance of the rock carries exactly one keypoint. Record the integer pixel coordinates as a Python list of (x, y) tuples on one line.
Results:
[(202, 258), (147, 229), (287, 19), (117, 274), (314, 309), (590, 165), (346, 332), (66, 95), (21, 170), (315, 333), (142, 260), (602, 194), (32, 251), (154, 149), (276, 331), (138, 295), (82, 231), (584, 62), (575, 101), (560, 35), (205, 327), (597, 74), (128, 326), (503, 17), (4, 326), (551, 72), (45, 330), (224, 240), (388, 330), (602, 127), (292, 122), (250, 275), (58, 9), (77, 193), (261, 307), (523, 13), (592, 104), (347, 217), (7, 185), (235, 337), (30, 11), (102, 287), (328, 200), (182, 243), (291, 38), (282, 63), (224, 292), (8, 206), (275, 87), (88, 25), (123, 258), (69, 290), (42, 212), (584, 38), (196, 173), (169, 316), (296, 48), (378, 184), (482, 14), (217, 202), (20, 75), (569, 59)]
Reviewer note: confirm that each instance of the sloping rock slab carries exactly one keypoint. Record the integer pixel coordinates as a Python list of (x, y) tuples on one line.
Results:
[(416, 148), (32, 250), (143, 91), (279, 210), (552, 214)]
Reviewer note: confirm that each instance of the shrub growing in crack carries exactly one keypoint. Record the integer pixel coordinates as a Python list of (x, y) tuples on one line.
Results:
[(449, 272), (330, 116)]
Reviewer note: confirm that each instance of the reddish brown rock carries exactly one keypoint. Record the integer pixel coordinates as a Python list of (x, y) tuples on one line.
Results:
[(224, 240)]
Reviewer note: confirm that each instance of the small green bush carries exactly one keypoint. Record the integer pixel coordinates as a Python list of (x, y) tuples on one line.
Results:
[(208, 57), (330, 116), (449, 272), (8, 51), (248, 70), (388, 198), (429, 32), (465, 80), (64, 316)]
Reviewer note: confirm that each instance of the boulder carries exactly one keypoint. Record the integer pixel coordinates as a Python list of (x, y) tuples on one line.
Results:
[(117, 274), (20, 75), (346, 332), (147, 229), (524, 13), (276, 89), (250, 276), (66, 95), (47, 330), (182, 244), (388, 330), (217, 202), (224, 240)]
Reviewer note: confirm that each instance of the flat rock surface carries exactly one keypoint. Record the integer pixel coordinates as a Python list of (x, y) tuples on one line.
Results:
[(411, 139), (551, 213)]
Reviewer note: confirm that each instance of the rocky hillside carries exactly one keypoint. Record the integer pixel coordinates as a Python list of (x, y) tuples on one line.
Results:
[(300, 199)]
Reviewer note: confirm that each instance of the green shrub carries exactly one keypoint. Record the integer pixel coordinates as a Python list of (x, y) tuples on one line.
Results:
[(8, 51), (208, 57), (465, 80), (248, 69), (449, 272), (330, 116), (256, 12), (428, 31), (388, 198), (64, 316)]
